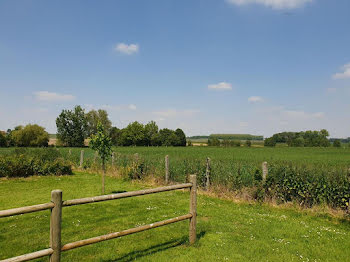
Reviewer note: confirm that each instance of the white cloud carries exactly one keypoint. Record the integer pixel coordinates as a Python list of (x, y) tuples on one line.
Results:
[(302, 114), (132, 107), (169, 113), (275, 4), (220, 86), (255, 99), (127, 49), (53, 97), (344, 74)]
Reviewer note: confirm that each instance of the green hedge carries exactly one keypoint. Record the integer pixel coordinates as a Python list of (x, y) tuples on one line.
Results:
[(25, 163)]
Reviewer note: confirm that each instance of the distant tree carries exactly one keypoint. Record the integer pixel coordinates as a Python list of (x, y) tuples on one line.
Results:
[(248, 143), (72, 127), (94, 117), (213, 141), (151, 130), (189, 143), (168, 137), (101, 143), (156, 140), (181, 137), (237, 143), (116, 136), (133, 135), (3, 139), (298, 142), (336, 143), (30, 135), (271, 142)]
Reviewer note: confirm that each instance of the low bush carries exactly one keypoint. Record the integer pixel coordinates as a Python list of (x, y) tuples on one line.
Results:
[(25, 163)]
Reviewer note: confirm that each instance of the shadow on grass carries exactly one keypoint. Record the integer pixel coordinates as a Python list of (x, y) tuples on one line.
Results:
[(118, 191), (134, 255)]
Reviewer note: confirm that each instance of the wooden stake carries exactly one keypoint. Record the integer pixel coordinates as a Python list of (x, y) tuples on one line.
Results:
[(264, 170), (55, 225), (95, 156), (166, 169), (193, 209), (81, 158), (207, 175), (113, 156)]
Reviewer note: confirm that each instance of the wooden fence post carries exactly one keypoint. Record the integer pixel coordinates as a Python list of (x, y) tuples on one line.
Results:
[(113, 156), (166, 169), (264, 170), (55, 226), (193, 209), (95, 156), (207, 174), (70, 152), (81, 158)]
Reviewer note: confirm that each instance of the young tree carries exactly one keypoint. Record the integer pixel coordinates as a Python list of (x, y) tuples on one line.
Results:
[(94, 117), (72, 127), (30, 135), (102, 144)]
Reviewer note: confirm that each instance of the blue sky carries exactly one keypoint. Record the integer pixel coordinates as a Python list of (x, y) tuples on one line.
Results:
[(223, 66)]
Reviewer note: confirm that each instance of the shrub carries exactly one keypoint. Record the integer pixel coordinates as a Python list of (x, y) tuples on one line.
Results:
[(30, 135), (336, 143), (25, 163)]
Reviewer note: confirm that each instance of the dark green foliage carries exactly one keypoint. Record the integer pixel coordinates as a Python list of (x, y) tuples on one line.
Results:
[(29, 136), (133, 135), (300, 139), (270, 142), (336, 143), (25, 163), (72, 127), (181, 137), (3, 139)]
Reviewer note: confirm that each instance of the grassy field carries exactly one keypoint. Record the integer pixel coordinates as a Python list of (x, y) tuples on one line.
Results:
[(227, 231)]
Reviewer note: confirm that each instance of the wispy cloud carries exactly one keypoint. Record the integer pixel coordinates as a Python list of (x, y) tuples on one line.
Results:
[(255, 99), (127, 49), (169, 113), (220, 86), (132, 107), (344, 74), (275, 4), (302, 114), (53, 97)]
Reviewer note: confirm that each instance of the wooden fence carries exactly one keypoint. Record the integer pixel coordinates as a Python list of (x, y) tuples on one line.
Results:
[(56, 205)]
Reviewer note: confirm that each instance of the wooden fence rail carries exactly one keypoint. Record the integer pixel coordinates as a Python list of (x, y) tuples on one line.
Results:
[(57, 204)]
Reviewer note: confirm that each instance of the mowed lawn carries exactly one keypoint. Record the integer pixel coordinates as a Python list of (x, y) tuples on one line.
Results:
[(227, 231)]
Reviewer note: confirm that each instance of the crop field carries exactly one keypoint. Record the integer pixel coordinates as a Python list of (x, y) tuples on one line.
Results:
[(226, 231), (306, 176)]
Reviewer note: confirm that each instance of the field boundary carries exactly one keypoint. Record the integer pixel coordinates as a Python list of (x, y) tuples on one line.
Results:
[(56, 205)]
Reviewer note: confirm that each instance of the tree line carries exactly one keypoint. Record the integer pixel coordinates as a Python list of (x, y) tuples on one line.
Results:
[(302, 139), (74, 126)]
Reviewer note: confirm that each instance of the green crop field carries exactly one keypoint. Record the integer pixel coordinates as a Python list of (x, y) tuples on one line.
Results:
[(226, 231), (305, 176)]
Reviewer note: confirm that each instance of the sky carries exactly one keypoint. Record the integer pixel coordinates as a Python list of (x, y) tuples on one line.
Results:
[(206, 66)]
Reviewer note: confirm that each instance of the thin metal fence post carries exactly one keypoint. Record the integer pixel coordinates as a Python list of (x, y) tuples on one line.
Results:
[(207, 174)]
